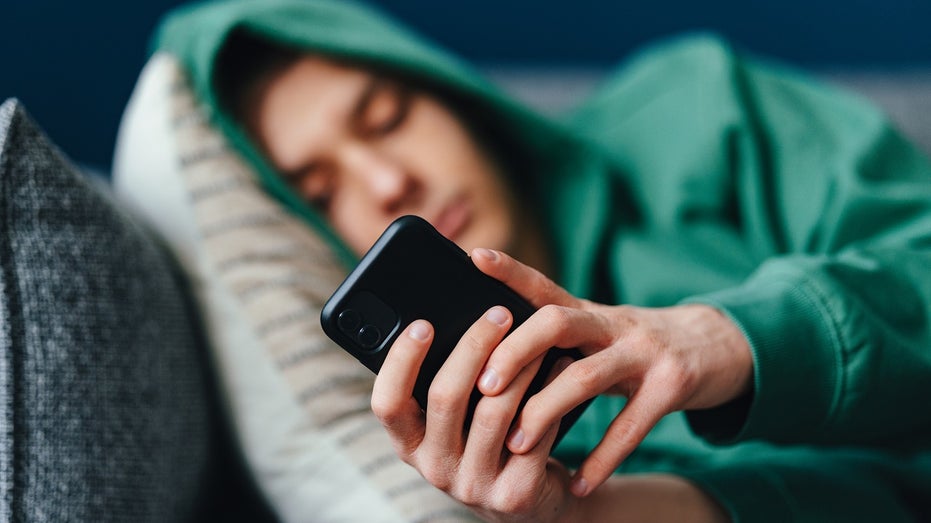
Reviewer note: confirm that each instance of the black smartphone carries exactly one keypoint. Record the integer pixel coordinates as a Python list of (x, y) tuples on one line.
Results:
[(413, 272)]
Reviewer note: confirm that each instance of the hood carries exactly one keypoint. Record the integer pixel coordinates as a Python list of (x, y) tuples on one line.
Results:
[(567, 185)]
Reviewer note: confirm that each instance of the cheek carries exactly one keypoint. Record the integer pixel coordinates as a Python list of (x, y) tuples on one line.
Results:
[(435, 144)]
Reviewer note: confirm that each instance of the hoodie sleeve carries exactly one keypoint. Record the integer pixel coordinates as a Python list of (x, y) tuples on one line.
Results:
[(826, 213), (840, 346), (840, 323), (817, 486)]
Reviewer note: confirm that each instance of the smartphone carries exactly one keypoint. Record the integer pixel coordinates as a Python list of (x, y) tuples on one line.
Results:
[(413, 272)]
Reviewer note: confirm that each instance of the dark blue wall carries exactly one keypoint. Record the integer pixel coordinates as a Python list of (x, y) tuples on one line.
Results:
[(74, 62), (809, 32)]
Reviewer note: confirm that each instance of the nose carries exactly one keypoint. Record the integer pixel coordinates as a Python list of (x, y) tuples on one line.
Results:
[(382, 177)]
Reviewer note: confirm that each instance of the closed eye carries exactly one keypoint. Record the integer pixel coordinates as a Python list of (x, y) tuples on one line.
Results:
[(381, 109), (314, 182)]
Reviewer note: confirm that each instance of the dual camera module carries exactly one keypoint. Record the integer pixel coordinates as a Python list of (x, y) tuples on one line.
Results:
[(367, 321)]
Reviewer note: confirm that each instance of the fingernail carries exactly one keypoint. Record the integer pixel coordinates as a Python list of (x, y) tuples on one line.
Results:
[(489, 380), (498, 316), (579, 487), (419, 331), (517, 440), (488, 254)]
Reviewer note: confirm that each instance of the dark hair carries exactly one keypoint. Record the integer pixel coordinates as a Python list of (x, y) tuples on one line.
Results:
[(247, 61), (244, 64)]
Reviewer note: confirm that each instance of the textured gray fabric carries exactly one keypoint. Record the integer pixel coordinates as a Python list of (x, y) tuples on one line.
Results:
[(102, 395)]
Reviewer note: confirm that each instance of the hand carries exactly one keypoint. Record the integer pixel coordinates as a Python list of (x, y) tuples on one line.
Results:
[(662, 360), (469, 462)]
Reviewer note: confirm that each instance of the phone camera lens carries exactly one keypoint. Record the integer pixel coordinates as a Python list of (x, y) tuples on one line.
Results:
[(369, 337), (348, 321)]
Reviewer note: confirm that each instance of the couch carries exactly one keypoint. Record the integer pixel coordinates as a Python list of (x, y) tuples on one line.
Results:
[(112, 405)]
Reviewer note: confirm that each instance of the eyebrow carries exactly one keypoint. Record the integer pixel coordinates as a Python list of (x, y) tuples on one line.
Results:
[(358, 110), (365, 99)]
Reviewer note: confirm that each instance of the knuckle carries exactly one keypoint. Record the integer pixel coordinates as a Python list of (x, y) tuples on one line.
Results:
[(532, 413), (468, 493), (437, 474), (384, 409), (644, 338), (440, 394), (680, 379), (622, 433), (491, 416), (625, 317), (513, 501), (676, 378), (405, 452), (597, 463), (584, 375), (555, 316), (442, 397), (472, 340), (436, 479)]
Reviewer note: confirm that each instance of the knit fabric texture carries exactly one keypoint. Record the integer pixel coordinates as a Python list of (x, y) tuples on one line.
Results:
[(102, 406)]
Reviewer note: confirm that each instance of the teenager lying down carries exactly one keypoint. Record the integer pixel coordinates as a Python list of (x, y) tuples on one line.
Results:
[(741, 254)]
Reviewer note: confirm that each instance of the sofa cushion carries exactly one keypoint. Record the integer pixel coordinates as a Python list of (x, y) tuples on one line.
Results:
[(102, 401)]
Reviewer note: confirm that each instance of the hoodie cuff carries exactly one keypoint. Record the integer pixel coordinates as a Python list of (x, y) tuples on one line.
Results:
[(795, 349)]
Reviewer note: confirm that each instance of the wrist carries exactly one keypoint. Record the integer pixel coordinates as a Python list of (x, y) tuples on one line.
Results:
[(730, 372)]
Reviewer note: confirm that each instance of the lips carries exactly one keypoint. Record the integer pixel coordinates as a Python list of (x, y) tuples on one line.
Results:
[(453, 219)]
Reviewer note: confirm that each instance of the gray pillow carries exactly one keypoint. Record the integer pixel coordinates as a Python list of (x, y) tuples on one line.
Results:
[(103, 410)]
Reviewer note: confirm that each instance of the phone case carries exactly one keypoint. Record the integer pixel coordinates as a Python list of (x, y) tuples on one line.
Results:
[(413, 272)]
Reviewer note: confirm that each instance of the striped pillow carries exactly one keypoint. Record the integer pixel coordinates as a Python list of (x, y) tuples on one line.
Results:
[(299, 404)]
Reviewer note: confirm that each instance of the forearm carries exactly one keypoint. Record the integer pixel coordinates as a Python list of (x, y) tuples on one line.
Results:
[(648, 497)]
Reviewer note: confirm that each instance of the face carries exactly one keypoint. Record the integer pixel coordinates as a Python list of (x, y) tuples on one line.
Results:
[(365, 150)]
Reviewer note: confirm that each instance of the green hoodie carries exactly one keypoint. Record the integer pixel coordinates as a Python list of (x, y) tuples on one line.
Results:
[(697, 175)]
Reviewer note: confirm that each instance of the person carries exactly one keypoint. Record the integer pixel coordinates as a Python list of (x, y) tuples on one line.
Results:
[(740, 253)]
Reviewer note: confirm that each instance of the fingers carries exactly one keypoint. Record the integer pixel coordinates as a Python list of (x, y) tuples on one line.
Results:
[(560, 365), (517, 442), (491, 423), (551, 326), (452, 387), (392, 395), (580, 381), (525, 464), (629, 428), (526, 281)]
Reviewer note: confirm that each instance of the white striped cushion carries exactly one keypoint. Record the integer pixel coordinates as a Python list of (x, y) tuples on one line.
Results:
[(299, 403)]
